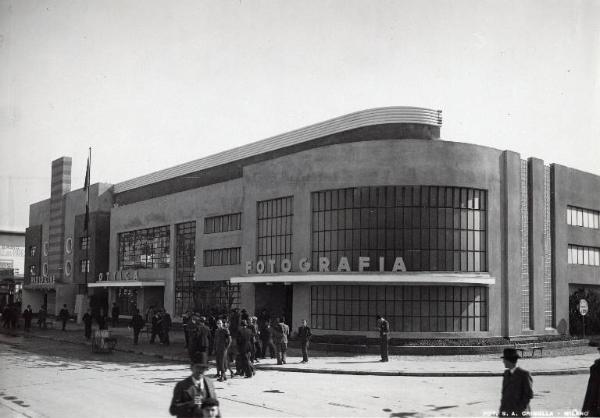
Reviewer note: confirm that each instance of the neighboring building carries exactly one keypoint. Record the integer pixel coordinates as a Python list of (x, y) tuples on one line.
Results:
[(367, 213), (12, 261)]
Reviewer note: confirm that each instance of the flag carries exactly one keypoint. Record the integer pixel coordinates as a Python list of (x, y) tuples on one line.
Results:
[(86, 189)]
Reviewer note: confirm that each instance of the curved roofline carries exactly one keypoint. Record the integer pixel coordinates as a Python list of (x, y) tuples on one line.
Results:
[(363, 118)]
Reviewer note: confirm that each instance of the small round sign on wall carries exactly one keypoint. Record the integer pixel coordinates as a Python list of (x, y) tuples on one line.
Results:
[(583, 307)]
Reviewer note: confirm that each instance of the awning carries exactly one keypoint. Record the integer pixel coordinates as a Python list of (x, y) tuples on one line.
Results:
[(127, 283), (370, 278)]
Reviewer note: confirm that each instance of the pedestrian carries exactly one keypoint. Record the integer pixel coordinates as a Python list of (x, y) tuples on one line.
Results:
[(244, 345), (165, 327), (304, 335), (591, 402), (280, 337), (517, 387), (64, 316), (27, 315), (210, 408), (101, 319), (15, 309), (137, 323), (186, 320), (231, 351), (256, 350), (384, 329), (87, 323), (222, 343), (266, 337), (189, 393), (155, 328), (199, 339), (115, 312), (42, 315)]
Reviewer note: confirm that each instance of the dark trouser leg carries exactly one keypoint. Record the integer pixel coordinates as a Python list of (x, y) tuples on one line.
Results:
[(247, 367), (384, 348), (220, 359), (64, 325), (304, 350), (284, 352), (136, 335), (278, 353), (88, 332), (187, 338), (153, 337)]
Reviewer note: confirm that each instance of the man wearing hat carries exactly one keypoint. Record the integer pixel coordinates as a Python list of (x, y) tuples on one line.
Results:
[(190, 393), (517, 386), (591, 403)]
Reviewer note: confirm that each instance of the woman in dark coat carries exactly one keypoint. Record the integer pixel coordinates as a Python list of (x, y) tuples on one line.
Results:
[(591, 403)]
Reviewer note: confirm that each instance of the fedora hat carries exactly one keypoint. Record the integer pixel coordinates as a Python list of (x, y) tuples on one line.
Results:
[(510, 354)]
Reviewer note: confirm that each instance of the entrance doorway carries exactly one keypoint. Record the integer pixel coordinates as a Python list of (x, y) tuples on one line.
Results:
[(276, 299)]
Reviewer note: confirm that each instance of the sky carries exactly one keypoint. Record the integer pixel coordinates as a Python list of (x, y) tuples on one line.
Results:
[(149, 84)]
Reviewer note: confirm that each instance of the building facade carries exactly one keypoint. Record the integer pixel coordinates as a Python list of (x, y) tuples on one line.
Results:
[(363, 214), (12, 261)]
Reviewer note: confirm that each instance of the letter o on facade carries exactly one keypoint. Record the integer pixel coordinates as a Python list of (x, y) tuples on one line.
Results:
[(68, 268), (260, 267), (286, 265), (69, 245)]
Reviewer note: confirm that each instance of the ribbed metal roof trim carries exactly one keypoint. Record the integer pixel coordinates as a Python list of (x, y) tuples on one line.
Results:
[(370, 117)]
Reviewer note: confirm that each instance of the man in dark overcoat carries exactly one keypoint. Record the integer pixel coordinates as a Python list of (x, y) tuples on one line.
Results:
[(244, 344), (87, 324), (64, 316), (591, 402), (517, 387), (383, 327), (199, 339), (304, 336), (222, 343), (27, 315), (189, 394), (137, 323)]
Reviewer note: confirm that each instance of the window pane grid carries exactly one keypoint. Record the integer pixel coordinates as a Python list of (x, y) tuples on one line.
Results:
[(223, 223), (274, 230), (407, 308), (185, 262), (432, 228), (589, 256), (222, 257), (145, 248), (585, 218)]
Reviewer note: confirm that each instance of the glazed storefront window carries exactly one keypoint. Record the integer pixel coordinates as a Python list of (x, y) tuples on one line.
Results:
[(185, 265), (145, 248), (407, 308), (432, 228)]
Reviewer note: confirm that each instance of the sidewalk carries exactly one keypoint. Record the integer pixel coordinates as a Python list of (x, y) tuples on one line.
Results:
[(574, 360)]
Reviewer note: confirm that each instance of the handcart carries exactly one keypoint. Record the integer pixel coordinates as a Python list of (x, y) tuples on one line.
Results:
[(102, 342)]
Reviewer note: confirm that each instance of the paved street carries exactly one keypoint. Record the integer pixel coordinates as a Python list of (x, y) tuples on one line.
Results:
[(51, 379)]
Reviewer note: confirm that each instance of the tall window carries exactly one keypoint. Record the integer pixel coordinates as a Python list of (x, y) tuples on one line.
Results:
[(585, 218), (407, 308), (84, 243), (223, 223), (185, 265), (274, 230), (432, 228), (145, 248), (127, 300), (222, 257), (578, 254), (84, 266)]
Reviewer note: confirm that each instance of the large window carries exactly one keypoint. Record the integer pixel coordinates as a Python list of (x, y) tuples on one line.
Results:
[(185, 265), (126, 300), (578, 254), (223, 223), (84, 243), (222, 257), (145, 248), (274, 230), (407, 308), (84, 266), (432, 228), (585, 218)]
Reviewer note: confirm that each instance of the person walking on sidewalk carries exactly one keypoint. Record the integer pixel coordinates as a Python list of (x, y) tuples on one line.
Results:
[(27, 315), (64, 316), (244, 344), (165, 327), (266, 337), (137, 323), (189, 393), (591, 403), (199, 339), (156, 325), (222, 343), (101, 319), (304, 335), (384, 329), (280, 337), (517, 387), (87, 322), (115, 312), (42, 315)]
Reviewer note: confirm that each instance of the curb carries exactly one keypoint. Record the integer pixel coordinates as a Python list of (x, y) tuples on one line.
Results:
[(557, 372)]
